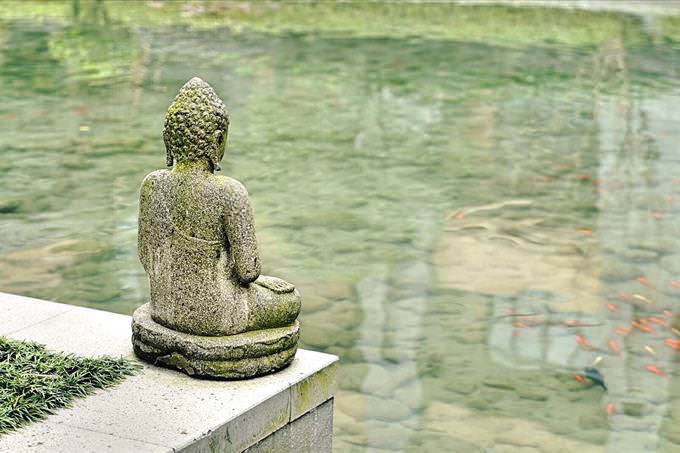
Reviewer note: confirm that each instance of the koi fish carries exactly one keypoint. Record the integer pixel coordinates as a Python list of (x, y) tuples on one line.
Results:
[(675, 283), (613, 308), (614, 346), (610, 409), (597, 360), (622, 331), (585, 231), (640, 326), (659, 321), (583, 342), (643, 280), (673, 343), (667, 314), (650, 350), (657, 215), (642, 298), (653, 369), (594, 375), (580, 379)]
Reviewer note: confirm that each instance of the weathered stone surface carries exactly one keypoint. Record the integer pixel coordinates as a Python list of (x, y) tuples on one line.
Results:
[(197, 244), (157, 410), (230, 356), (311, 433)]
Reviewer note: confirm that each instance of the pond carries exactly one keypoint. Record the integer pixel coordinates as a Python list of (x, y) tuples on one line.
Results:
[(476, 203)]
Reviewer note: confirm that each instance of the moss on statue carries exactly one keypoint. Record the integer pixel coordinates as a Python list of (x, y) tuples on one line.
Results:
[(197, 243)]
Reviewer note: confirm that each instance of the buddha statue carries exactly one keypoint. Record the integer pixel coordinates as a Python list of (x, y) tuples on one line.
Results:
[(210, 313)]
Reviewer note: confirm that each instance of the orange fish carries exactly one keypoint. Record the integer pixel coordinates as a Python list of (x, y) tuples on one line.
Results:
[(583, 342), (667, 314), (643, 280), (659, 321), (580, 379), (640, 326), (610, 409), (613, 308), (653, 369), (673, 343), (657, 215), (622, 331), (585, 231), (614, 346), (675, 283)]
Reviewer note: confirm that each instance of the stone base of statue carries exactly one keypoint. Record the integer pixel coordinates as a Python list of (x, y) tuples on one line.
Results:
[(241, 356)]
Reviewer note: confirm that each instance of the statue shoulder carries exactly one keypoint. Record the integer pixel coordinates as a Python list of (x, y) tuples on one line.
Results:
[(151, 180), (232, 187), (155, 176)]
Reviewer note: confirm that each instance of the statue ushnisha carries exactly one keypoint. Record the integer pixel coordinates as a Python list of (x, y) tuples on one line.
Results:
[(211, 313)]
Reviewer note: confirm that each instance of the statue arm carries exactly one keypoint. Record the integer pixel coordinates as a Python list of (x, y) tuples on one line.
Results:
[(241, 234), (143, 223)]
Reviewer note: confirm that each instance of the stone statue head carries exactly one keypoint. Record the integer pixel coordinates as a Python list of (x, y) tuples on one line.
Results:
[(196, 125)]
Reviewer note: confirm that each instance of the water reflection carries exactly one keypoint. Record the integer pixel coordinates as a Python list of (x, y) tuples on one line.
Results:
[(421, 193)]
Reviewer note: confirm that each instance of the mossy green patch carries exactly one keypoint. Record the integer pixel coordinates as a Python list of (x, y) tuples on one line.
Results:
[(35, 382), (478, 23)]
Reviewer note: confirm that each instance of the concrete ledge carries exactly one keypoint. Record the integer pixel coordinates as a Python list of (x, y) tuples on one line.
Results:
[(163, 410)]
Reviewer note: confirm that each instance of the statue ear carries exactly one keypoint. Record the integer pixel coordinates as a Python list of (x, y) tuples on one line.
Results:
[(219, 136)]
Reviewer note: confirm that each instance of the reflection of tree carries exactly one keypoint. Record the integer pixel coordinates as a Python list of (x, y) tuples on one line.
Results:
[(92, 12), (92, 47), (26, 64)]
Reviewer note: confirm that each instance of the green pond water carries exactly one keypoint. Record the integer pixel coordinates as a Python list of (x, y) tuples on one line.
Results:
[(472, 220)]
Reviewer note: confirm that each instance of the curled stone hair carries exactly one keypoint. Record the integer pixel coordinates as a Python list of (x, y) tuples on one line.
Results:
[(195, 125)]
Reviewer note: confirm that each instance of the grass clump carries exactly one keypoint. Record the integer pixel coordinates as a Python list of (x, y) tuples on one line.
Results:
[(34, 382)]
